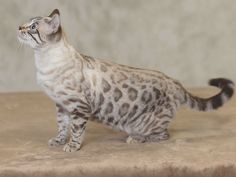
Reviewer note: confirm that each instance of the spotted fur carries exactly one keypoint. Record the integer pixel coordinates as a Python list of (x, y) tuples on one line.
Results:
[(140, 102)]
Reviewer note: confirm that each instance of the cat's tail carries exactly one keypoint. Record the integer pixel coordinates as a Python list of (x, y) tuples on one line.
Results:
[(214, 102)]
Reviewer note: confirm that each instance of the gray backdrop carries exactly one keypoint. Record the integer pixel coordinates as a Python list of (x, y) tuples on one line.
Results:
[(191, 40)]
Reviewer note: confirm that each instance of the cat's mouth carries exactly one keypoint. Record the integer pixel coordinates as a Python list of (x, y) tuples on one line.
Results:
[(21, 36)]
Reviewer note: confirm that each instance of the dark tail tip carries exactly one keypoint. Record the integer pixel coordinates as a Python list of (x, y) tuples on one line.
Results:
[(221, 82), (227, 87)]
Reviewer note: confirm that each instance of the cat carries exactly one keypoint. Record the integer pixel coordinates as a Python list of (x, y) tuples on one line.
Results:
[(137, 101)]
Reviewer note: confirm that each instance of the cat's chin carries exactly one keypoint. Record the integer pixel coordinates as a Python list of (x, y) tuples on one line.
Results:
[(25, 42), (20, 38)]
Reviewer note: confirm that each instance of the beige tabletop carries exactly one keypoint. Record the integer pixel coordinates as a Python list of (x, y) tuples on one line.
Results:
[(197, 139)]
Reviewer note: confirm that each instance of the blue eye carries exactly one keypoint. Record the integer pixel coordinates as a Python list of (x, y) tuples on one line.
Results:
[(33, 26)]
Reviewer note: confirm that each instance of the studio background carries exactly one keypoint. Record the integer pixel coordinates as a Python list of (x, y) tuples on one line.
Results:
[(190, 40)]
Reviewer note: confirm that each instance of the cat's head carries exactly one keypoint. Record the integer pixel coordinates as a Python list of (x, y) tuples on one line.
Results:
[(41, 31)]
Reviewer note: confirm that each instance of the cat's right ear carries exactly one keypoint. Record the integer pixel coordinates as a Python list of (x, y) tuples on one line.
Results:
[(54, 12), (55, 20)]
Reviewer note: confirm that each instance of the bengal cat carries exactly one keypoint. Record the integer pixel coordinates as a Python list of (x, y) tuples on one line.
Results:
[(140, 102)]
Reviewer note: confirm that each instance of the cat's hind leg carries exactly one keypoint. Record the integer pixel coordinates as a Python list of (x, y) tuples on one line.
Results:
[(63, 122), (154, 137), (158, 130), (159, 136)]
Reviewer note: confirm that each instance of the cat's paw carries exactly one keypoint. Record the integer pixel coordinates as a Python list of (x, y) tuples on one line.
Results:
[(71, 147), (134, 140), (130, 140), (55, 142)]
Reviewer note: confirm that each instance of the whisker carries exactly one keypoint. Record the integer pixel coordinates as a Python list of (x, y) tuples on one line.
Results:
[(20, 45), (18, 48)]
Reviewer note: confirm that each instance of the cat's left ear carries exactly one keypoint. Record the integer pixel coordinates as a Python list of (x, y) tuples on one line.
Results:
[(55, 21)]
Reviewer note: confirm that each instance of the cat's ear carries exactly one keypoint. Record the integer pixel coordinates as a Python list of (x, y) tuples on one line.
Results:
[(55, 20), (54, 12)]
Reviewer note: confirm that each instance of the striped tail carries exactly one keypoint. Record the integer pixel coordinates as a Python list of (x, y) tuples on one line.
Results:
[(214, 102)]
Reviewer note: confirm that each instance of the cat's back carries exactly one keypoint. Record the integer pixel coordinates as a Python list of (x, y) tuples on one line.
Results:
[(107, 67)]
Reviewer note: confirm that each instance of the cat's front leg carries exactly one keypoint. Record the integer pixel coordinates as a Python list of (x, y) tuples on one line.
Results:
[(78, 125), (63, 122)]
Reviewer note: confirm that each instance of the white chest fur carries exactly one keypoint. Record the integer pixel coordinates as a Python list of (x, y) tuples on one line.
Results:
[(57, 70)]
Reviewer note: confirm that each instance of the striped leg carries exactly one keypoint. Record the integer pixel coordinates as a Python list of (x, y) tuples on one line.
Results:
[(78, 125), (63, 126), (158, 131), (160, 136), (154, 137)]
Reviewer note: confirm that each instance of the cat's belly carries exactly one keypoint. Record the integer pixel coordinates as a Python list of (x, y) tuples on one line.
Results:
[(125, 116), (133, 111)]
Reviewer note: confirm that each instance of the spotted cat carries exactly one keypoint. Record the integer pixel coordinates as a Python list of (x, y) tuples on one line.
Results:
[(140, 102)]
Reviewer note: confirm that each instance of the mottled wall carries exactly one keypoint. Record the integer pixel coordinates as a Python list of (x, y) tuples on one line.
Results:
[(191, 40)]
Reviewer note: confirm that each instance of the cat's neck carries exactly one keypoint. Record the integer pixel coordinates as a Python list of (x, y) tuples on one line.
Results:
[(54, 55)]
